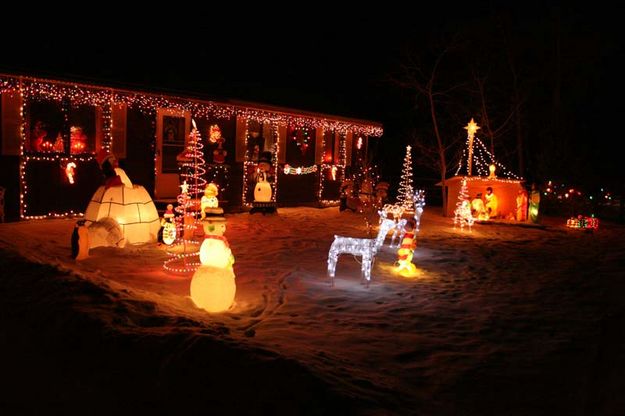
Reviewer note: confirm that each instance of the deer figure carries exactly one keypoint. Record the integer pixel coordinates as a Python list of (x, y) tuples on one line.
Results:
[(366, 248), (419, 204)]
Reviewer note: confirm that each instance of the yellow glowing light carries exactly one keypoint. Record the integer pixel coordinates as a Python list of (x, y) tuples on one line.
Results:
[(215, 253), (132, 208), (184, 187), (334, 169), (69, 171), (213, 289), (209, 200), (472, 127), (491, 169)]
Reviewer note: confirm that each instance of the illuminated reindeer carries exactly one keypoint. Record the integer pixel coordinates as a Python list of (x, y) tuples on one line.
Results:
[(397, 211), (367, 248)]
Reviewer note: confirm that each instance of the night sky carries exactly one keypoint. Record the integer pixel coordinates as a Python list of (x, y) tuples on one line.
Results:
[(341, 64)]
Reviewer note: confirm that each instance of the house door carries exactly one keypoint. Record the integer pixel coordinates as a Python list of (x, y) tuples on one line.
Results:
[(172, 132)]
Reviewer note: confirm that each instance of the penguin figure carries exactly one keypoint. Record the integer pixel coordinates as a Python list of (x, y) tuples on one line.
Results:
[(80, 241)]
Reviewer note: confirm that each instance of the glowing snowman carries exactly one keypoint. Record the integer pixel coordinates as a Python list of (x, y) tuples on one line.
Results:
[(209, 200), (213, 285), (215, 250), (262, 190)]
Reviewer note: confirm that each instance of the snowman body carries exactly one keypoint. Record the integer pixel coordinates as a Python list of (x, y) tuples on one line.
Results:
[(262, 190), (213, 285)]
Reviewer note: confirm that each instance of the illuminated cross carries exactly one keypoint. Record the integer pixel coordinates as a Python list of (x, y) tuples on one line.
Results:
[(471, 128)]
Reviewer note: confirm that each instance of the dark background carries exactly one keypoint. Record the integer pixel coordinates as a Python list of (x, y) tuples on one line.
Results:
[(340, 63)]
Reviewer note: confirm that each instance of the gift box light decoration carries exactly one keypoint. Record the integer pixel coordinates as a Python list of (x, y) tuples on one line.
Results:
[(583, 222)]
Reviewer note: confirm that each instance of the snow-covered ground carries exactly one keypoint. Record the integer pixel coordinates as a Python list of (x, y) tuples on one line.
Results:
[(501, 320)]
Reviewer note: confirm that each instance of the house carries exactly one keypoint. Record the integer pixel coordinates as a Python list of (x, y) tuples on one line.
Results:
[(52, 130)]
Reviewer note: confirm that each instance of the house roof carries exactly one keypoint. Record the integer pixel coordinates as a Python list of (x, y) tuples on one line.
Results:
[(197, 104)]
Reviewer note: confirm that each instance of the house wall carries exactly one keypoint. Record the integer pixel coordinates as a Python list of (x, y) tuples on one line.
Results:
[(134, 144), (139, 161), (9, 155)]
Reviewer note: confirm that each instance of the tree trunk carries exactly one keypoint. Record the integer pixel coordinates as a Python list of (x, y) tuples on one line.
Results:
[(441, 150)]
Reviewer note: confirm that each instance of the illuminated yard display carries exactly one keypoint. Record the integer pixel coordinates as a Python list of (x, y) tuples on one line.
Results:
[(115, 119), (213, 285), (405, 192), (479, 170), (130, 206), (366, 248), (405, 267), (169, 225), (184, 253), (462, 214), (583, 223)]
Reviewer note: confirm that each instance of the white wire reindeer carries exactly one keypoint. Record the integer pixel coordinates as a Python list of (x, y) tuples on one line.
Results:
[(396, 212), (366, 248), (419, 204)]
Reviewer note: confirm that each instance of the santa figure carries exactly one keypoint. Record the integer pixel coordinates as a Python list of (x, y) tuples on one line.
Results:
[(219, 154), (113, 174)]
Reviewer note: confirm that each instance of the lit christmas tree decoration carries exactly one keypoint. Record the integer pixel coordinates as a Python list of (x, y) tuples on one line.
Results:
[(184, 252), (406, 192), (462, 214)]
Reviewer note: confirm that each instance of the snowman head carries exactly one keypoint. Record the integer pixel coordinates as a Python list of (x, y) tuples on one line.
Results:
[(214, 225)]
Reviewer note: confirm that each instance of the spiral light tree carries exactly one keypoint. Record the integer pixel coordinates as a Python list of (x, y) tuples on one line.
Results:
[(184, 252)]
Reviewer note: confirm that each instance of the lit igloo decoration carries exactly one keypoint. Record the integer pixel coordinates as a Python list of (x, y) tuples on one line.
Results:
[(128, 205)]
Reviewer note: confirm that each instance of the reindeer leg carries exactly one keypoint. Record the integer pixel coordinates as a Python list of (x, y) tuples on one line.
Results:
[(332, 259), (366, 268)]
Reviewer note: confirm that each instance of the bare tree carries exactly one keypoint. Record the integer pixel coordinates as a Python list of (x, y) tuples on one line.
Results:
[(486, 120), (413, 78)]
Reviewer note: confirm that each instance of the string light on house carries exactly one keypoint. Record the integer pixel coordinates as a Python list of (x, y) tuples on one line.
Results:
[(337, 170), (322, 158), (248, 166), (82, 94), (290, 170), (75, 94), (274, 159)]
